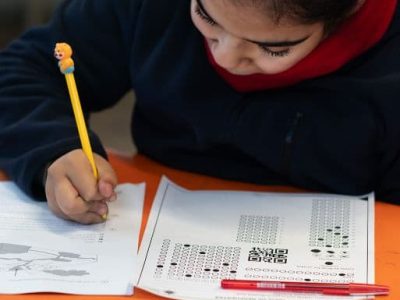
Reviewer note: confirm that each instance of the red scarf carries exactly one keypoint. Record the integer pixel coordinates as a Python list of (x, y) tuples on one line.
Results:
[(362, 31)]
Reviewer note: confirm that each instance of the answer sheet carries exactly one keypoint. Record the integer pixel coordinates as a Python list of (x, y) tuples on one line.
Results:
[(194, 239), (42, 253)]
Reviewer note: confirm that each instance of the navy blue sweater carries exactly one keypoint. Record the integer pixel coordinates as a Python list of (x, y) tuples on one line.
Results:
[(338, 133)]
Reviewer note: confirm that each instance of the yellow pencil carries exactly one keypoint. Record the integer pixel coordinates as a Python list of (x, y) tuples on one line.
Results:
[(63, 53)]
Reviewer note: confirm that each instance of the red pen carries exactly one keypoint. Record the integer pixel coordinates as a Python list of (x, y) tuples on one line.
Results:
[(345, 289)]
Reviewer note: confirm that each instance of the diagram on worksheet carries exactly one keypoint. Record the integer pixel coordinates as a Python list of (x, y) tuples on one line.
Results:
[(18, 259)]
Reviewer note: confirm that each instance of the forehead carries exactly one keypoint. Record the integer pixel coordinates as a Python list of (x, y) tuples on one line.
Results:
[(261, 7), (246, 18), (239, 10)]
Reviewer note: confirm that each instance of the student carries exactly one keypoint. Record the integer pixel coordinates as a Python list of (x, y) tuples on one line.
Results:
[(294, 92)]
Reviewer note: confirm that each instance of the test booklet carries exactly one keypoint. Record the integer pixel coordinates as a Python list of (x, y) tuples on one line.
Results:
[(40, 252), (194, 239)]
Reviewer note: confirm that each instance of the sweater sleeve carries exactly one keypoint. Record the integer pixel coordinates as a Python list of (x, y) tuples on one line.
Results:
[(388, 169), (36, 119)]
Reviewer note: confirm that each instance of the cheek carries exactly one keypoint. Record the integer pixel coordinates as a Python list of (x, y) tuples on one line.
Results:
[(274, 65)]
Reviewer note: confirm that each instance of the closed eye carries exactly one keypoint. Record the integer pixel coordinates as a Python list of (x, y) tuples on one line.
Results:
[(280, 53), (204, 16)]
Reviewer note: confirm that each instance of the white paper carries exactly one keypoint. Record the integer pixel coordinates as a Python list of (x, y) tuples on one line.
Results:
[(42, 253), (194, 239)]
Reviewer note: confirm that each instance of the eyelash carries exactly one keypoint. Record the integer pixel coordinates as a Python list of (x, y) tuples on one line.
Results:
[(266, 50), (269, 52), (202, 15)]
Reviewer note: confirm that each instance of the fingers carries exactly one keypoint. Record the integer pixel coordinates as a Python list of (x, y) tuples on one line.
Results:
[(65, 203), (107, 190), (75, 207), (77, 169), (107, 179), (72, 191)]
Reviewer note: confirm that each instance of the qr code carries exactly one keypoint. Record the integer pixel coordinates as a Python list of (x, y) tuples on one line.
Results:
[(268, 255)]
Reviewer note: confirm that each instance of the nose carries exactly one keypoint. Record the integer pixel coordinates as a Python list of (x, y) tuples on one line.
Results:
[(229, 53)]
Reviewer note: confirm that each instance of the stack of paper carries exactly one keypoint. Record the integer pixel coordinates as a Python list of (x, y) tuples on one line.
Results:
[(193, 240)]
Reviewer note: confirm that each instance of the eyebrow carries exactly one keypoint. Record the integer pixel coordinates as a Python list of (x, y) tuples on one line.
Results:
[(263, 43)]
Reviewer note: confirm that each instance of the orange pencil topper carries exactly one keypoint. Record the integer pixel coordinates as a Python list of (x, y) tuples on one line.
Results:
[(63, 53)]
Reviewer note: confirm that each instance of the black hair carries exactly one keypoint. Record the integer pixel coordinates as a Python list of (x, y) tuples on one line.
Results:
[(328, 12)]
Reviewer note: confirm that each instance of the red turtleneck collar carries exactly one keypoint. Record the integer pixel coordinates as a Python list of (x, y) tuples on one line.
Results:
[(362, 31)]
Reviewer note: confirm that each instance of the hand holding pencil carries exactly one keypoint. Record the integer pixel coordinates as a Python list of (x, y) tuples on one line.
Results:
[(80, 183)]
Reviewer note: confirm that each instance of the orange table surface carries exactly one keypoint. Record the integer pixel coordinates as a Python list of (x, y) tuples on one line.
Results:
[(141, 169)]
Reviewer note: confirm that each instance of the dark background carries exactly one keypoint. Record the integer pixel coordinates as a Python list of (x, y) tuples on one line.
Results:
[(17, 16)]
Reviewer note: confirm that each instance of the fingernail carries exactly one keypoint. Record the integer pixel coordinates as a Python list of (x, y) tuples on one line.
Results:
[(104, 217), (102, 210)]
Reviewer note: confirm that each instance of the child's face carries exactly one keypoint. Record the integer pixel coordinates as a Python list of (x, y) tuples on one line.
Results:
[(243, 40)]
